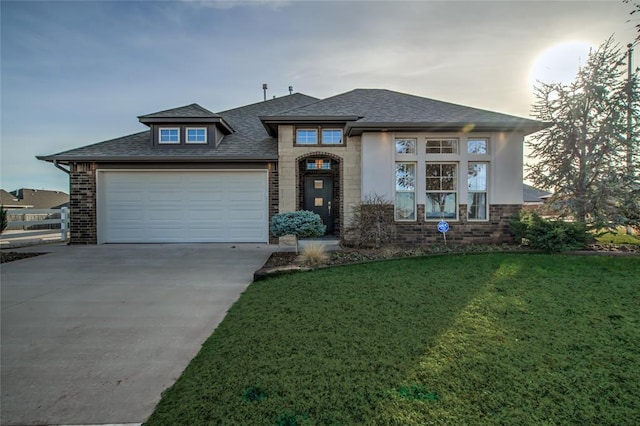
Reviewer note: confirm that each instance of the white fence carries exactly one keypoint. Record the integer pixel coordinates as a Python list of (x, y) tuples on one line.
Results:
[(39, 221)]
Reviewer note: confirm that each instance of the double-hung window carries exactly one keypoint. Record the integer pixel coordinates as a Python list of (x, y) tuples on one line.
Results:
[(477, 195), (196, 135), (170, 136), (405, 203), (441, 191)]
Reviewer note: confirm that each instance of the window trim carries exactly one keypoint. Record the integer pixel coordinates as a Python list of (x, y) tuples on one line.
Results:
[(306, 129), (415, 146), (161, 142), (396, 192), (474, 154), (186, 137), (455, 191), (486, 192), (455, 152), (331, 129)]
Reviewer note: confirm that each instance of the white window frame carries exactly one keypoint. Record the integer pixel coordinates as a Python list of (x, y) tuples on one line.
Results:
[(456, 151), (456, 191), (471, 139), (306, 129), (396, 210), (331, 130), (471, 192), (163, 142), (414, 146), (195, 142)]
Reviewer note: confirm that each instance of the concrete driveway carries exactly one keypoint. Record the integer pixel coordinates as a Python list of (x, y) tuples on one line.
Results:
[(94, 334)]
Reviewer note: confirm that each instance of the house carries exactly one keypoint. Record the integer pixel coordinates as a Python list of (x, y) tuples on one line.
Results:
[(199, 176), (534, 197), (10, 201), (25, 198)]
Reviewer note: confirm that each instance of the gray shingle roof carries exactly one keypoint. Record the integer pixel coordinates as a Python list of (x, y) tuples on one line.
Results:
[(187, 111), (249, 142), (534, 195), (380, 107)]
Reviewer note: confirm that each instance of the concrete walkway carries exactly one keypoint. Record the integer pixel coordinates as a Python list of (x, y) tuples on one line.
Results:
[(94, 334)]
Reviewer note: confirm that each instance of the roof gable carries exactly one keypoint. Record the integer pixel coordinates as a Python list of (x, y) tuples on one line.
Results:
[(249, 142), (187, 111)]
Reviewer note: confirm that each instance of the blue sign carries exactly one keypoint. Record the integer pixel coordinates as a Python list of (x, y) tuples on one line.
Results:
[(443, 226)]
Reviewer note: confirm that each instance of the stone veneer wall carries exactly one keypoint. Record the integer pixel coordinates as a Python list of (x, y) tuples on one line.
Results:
[(289, 155), (82, 204), (422, 232)]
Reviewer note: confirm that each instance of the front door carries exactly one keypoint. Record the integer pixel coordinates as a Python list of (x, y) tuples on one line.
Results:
[(318, 198)]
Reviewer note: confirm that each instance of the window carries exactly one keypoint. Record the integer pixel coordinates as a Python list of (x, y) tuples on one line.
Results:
[(319, 164), (306, 136), (478, 146), (331, 136), (442, 193), (169, 135), (442, 146), (405, 204), (405, 146), (197, 135), (477, 196)]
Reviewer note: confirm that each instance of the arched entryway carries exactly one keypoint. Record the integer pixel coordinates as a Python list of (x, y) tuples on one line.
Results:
[(319, 188)]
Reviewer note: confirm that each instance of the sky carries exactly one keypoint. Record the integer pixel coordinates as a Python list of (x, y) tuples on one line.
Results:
[(79, 72)]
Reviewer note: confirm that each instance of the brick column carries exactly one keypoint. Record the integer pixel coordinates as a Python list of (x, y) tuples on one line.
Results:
[(82, 204)]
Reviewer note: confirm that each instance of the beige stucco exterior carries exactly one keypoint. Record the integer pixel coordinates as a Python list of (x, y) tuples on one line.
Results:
[(504, 159)]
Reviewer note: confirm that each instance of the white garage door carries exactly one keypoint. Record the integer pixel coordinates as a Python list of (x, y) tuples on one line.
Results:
[(182, 206)]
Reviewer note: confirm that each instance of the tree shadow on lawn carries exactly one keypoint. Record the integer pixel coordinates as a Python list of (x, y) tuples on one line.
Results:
[(412, 341)]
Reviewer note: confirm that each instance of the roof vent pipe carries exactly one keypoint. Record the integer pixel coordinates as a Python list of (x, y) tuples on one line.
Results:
[(290, 89), (264, 90)]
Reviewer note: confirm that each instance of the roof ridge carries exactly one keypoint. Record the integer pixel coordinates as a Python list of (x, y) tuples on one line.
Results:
[(96, 143), (268, 100)]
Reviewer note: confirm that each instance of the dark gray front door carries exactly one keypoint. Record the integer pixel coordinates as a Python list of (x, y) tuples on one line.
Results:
[(318, 198)]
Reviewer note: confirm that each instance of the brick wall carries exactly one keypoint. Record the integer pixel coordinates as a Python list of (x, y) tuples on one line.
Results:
[(422, 232), (82, 204), (274, 197)]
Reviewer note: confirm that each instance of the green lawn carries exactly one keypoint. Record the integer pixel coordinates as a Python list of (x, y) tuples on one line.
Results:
[(504, 339)]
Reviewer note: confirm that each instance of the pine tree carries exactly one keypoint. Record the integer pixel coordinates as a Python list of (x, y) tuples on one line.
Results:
[(582, 156)]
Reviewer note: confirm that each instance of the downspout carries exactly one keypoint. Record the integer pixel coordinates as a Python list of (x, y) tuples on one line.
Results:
[(55, 163)]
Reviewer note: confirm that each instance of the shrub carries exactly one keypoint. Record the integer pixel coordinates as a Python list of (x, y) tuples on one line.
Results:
[(313, 254), (3, 219), (549, 235), (302, 224), (372, 223)]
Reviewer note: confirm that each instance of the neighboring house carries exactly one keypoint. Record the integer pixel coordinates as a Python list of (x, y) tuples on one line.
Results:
[(199, 176), (10, 201), (41, 198), (534, 198)]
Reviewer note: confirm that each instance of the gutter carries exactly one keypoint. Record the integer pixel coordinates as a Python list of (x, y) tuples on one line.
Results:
[(55, 163)]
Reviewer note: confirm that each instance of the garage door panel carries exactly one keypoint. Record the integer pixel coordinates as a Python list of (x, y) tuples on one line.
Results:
[(183, 206)]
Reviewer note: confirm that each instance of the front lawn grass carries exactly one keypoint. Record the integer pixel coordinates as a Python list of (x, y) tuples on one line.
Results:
[(465, 339)]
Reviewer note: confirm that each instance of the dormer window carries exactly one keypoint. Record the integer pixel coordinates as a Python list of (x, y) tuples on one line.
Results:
[(196, 135), (170, 135)]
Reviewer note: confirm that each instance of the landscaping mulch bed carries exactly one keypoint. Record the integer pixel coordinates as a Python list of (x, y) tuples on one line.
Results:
[(289, 260), (11, 256)]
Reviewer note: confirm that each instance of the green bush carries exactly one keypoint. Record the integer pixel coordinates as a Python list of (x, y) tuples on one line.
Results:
[(302, 223), (549, 235)]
